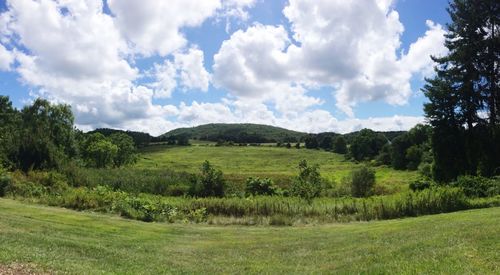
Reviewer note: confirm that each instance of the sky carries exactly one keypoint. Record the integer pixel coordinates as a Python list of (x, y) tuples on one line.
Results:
[(153, 66)]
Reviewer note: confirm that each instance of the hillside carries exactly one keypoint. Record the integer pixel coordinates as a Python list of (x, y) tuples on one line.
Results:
[(58, 240), (245, 133)]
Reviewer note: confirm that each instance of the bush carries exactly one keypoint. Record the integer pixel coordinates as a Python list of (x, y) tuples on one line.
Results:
[(5, 181), (420, 185), (211, 182), (362, 181), (478, 187), (308, 184), (257, 186)]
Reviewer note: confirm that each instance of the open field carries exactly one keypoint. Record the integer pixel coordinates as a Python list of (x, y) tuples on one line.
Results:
[(280, 164), (55, 239)]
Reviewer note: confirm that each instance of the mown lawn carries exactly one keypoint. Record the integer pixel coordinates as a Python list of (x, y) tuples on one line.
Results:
[(239, 163), (54, 239)]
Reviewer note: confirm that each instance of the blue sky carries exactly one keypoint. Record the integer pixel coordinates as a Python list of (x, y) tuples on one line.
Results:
[(151, 66)]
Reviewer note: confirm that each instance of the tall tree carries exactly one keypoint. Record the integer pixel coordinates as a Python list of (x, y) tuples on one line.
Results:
[(9, 132), (463, 96), (47, 137)]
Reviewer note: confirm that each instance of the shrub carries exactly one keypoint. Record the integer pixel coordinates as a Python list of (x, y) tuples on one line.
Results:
[(257, 186), (420, 185), (308, 184), (478, 186), (362, 181), (54, 182), (210, 183), (5, 181)]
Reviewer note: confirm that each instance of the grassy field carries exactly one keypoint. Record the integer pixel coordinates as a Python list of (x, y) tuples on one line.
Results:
[(54, 239), (239, 163)]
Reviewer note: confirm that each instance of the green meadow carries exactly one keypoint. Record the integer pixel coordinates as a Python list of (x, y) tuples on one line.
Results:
[(278, 163), (59, 240)]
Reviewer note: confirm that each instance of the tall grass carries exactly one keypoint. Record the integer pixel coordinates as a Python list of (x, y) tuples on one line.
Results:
[(276, 209), (133, 180)]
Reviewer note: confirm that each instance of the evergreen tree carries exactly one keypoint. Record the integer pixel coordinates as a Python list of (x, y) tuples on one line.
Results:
[(463, 96)]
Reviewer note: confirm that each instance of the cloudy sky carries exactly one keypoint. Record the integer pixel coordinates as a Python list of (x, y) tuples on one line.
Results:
[(149, 65)]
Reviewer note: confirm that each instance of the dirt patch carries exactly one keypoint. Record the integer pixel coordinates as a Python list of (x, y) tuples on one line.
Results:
[(20, 269)]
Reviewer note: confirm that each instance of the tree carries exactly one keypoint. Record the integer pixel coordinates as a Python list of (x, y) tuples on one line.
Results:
[(308, 184), (9, 132), (339, 145), (311, 142), (211, 182), (399, 145), (326, 143), (47, 135), (362, 181), (126, 153), (99, 151), (257, 186), (384, 156), (366, 145), (464, 94), (183, 140)]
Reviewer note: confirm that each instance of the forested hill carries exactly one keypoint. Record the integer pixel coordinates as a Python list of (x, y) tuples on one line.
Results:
[(139, 138), (245, 133)]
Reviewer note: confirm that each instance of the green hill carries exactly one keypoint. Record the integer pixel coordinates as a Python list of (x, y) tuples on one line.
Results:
[(239, 133), (58, 240)]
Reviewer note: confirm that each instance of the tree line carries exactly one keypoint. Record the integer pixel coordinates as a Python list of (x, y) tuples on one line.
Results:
[(42, 136)]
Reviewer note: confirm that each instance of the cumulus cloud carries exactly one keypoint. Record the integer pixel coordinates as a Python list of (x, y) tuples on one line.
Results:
[(350, 46), (312, 121), (71, 51), (185, 70), (153, 26), (6, 58)]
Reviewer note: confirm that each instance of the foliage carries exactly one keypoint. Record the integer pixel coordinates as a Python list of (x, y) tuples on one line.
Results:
[(5, 181), (366, 145), (464, 100), (308, 184), (362, 181), (210, 183), (420, 185), (99, 151), (9, 132), (157, 208), (238, 133), (311, 142), (264, 187), (139, 138), (47, 136), (478, 186), (158, 182), (339, 145), (126, 153)]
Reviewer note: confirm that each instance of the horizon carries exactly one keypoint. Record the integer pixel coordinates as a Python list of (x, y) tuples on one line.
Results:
[(322, 66)]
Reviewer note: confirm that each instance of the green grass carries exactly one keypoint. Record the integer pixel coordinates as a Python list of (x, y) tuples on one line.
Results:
[(55, 239), (280, 164)]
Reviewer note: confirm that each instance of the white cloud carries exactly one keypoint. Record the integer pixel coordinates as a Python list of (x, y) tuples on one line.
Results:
[(350, 46), (71, 51), (417, 60), (153, 26), (6, 58), (252, 62), (314, 121), (186, 70), (193, 74), (235, 11)]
